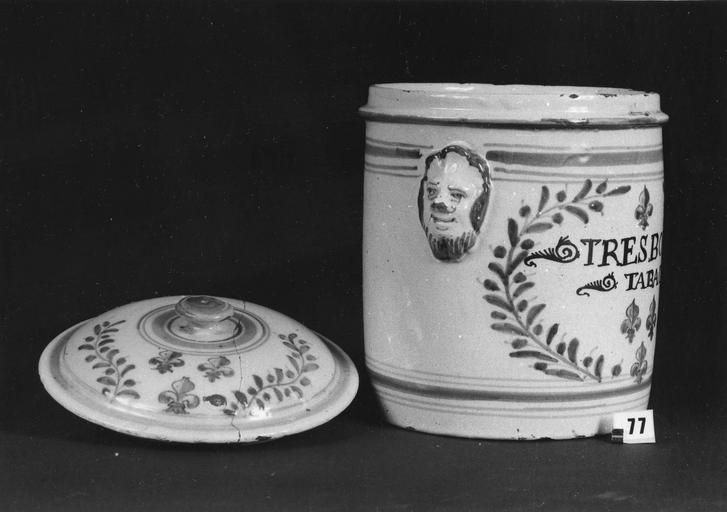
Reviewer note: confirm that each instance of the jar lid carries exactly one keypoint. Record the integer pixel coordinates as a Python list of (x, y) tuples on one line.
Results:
[(548, 106), (198, 369)]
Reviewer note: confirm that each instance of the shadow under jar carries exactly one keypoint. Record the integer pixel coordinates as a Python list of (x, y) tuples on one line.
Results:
[(512, 249)]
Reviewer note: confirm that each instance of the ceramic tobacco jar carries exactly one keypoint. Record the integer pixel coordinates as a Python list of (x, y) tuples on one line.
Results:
[(512, 248), (198, 369)]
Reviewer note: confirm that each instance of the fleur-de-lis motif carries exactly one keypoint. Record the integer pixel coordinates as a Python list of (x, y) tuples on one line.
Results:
[(216, 367), (166, 361), (632, 323), (179, 398), (645, 209), (638, 369), (651, 319)]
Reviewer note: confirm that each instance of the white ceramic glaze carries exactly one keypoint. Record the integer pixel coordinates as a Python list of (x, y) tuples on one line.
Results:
[(512, 248), (198, 369)]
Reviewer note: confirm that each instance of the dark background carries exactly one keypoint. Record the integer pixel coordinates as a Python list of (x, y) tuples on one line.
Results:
[(176, 148)]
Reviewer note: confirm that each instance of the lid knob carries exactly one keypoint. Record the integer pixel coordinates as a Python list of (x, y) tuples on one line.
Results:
[(202, 310), (205, 318)]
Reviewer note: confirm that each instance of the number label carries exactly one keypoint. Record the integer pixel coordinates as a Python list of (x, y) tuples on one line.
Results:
[(637, 426)]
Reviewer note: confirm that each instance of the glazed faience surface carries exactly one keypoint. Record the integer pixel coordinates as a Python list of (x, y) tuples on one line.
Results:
[(512, 249), (198, 369)]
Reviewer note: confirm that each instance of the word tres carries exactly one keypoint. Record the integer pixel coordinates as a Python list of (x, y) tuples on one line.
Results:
[(626, 251)]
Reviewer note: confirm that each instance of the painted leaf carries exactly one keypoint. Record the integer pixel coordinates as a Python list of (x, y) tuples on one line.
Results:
[(112, 353), (512, 230), (509, 329), (544, 196), (90, 358), (618, 191), (519, 343), (183, 386), (294, 363), (127, 369), (551, 334), (490, 285), (310, 358), (120, 361), (560, 348), (109, 371), (522, 305), (533, 354), (521, 288), (241, 397), (289, 374), (616, 370), (539, 227), (270, 378), (538, 329), (251, 391), (105, 342), (89, 338), (540, 366), (587, 361), (573, 350), (517, 260), (278, 374), (584, 190), (564, 374), (498, 301), (266, 396), (258, 381), (305, 381), (278, 394), (289, 345), (527, 244), (309, 367), (129, 382), (297, 391), (106, 380), (85, 347), (533, 313), (100, 365), (598, 369), (496, 268), (601, 188), (578, 212), (97, 329), (260, 403)]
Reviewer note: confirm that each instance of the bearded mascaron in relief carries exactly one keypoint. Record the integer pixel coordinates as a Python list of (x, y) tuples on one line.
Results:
[(453, 198)]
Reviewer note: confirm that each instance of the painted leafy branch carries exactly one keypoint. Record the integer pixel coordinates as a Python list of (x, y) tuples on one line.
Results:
[(105, 357), (280, 383), (518, 318)]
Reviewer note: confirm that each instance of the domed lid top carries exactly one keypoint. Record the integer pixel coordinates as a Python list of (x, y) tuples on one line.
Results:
[(563, 106), (198, 369)]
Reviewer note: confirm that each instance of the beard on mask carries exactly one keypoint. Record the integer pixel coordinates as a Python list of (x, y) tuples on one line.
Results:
[(447, 248)]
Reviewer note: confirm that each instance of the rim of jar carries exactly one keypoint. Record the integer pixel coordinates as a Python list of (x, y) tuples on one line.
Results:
[(535, 106)]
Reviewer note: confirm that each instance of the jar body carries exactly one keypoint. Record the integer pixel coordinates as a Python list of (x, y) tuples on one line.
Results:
[(532, 315)]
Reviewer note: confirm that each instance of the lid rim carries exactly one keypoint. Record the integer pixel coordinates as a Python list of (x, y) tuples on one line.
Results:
[(344, 389)]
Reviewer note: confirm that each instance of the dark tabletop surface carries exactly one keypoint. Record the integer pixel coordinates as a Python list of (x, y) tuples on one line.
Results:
[(163, 149)]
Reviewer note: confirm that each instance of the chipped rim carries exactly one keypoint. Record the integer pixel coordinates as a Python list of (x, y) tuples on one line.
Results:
[(518, 106)]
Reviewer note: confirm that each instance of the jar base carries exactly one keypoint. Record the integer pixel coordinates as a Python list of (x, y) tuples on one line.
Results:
[(503, 420)]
